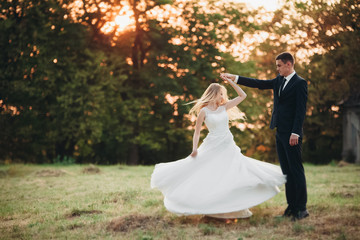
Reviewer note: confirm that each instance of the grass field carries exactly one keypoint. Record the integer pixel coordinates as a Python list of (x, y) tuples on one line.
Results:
[(74, 202)]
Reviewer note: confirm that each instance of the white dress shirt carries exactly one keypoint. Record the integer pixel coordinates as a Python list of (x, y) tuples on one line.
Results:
[(288, 79)]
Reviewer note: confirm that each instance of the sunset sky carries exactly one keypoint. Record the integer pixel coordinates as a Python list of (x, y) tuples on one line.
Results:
[(270, 5)]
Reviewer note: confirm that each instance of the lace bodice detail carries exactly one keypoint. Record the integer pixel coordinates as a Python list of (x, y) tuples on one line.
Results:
[(217, 121)]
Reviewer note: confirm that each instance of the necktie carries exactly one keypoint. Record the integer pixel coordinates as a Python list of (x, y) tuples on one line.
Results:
[(282, 86)]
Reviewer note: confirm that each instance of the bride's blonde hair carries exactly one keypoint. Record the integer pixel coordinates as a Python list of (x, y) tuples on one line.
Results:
[(209, 95)]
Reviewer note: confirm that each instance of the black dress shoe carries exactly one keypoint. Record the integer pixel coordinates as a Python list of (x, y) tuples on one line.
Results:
[(300, 215), (288, 212)]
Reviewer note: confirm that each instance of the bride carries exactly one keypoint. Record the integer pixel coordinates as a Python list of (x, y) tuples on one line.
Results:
[(216, 179)]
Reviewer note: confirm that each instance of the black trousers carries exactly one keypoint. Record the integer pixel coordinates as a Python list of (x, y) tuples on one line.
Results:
[(291, 165)]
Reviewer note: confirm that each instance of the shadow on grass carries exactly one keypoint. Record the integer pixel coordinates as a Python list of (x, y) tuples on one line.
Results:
[(77, 213)]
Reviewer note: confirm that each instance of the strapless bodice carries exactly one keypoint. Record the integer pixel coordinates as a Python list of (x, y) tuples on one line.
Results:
[(217, 121)]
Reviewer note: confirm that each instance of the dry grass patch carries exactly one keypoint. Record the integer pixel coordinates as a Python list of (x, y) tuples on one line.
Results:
[(3, 173), (49, 173), (343, 164), (333, 224), (92, 169), (132, 222), (10, 222)]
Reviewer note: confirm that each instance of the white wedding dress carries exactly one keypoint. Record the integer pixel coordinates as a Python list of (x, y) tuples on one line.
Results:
[(220, 181)]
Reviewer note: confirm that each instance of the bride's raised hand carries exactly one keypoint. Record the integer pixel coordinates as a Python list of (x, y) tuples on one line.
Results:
[(194, 153), (223, 76)]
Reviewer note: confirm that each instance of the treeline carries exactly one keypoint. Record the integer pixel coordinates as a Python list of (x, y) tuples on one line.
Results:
[(72, 92)]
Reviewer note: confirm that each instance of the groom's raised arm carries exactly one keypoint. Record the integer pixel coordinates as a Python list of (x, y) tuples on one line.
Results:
[(252, 82)]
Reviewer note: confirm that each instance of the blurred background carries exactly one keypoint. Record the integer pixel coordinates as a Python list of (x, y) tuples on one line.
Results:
[(106, 82)]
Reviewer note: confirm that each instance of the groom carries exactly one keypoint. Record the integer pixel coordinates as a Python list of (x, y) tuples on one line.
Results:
[(290, 97)]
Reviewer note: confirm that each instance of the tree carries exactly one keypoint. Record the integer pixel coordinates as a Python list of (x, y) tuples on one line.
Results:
[(55, 85), (168, 63), (334, 28), (324, 38), (72, 89)]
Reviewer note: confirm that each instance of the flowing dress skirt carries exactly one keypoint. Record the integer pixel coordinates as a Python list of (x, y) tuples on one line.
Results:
[(219, 181)]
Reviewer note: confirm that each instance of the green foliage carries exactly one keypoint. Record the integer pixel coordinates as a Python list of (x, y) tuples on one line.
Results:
[(75, 96), (69, 92), (63, 160), (157, 127), (329, 34), (332, 74), (59, 89)]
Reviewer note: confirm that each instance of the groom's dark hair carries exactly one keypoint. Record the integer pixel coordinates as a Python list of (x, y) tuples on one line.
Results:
[(286, 57)]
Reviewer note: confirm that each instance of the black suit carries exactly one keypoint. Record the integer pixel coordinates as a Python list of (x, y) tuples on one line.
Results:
[(287, 117)]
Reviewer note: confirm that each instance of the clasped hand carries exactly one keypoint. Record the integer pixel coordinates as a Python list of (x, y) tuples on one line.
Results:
[(228, 76)]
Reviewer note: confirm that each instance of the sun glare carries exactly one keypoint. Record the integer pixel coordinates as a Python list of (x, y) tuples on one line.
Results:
[(124, 18), (270, 5), (122, 21)]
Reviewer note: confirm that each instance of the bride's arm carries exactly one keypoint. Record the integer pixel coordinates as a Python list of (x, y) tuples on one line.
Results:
[(199, 121), (240, 92)]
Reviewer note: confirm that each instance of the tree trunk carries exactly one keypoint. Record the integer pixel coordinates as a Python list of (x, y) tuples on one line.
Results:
[(134, 155)]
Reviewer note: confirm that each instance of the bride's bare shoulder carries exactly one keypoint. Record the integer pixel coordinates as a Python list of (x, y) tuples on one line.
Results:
[(203, 110)]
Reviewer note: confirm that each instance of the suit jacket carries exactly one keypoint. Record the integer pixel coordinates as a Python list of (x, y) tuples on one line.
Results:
[(289, 109)]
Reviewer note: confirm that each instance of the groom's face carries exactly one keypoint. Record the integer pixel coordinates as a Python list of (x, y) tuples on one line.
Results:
[(284, 69)]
